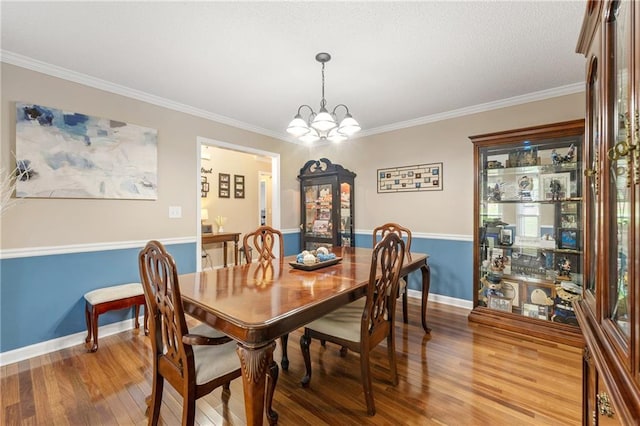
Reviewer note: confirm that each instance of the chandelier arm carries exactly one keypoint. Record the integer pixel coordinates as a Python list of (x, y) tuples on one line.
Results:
[(310, 109), (340, 105)]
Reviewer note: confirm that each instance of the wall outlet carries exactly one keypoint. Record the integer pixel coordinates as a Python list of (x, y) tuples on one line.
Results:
[(175, 212)]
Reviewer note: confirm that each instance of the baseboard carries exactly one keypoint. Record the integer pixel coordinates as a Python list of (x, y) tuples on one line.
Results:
[(445, 300), (53, 345), (64, 342)]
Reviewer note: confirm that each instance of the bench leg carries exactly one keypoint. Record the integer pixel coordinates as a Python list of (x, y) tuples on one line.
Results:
[(94, 325), (87, 316), (137, 313)]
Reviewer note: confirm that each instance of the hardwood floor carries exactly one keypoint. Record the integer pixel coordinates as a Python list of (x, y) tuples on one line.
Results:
[(462, 374)]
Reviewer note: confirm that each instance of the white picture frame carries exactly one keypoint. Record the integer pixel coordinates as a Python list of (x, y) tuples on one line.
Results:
[(564, 181)]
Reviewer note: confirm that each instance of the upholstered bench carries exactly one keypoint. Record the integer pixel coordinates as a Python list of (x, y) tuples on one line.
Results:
[(111, 298)]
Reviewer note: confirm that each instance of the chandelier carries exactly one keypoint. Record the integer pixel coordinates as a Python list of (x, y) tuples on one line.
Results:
[(323, 125)]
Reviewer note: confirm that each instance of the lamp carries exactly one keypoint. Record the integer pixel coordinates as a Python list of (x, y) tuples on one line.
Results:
[(206, 228), (323, 125)]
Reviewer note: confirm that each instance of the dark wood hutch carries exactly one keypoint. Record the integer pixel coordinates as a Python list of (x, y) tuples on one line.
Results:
[(609, 312), (326, 205)]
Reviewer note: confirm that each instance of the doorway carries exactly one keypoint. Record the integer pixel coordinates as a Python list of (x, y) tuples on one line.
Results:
[(265, 194), (264, 202)]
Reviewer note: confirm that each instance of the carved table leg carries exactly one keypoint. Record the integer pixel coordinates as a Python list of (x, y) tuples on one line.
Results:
[(255, 362), (272, 380), (426, 283)]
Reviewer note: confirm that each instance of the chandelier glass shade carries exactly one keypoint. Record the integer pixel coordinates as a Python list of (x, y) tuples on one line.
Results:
[(323, 125)]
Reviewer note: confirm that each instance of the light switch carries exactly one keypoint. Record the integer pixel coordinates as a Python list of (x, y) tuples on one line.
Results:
[(175, 212)]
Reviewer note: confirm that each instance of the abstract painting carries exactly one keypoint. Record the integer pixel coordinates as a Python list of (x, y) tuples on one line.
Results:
[(73, 155)]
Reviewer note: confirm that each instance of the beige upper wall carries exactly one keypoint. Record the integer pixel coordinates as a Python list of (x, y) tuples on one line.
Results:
[(449, 211), (54, 222), (241, 213)]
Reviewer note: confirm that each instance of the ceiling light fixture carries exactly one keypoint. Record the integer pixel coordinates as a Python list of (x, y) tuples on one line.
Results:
[(323, 125)]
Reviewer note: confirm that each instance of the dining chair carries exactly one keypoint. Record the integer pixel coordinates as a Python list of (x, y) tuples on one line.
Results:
[(405, 234), (263, 241), (194, 361), (363, 324)]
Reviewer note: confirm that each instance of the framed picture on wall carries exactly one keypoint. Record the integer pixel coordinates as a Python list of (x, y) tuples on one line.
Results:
[(238, 186), (223, 185)]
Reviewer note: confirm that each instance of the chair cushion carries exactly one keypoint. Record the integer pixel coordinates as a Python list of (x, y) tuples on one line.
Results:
[(344, 322), (213, 361), (116, 292)]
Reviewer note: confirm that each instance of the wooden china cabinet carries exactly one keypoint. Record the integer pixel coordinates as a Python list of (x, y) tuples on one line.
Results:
[(326, 205), (528, 247), (609, 311)]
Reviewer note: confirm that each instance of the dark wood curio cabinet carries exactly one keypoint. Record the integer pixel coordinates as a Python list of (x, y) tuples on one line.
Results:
[(609, 312), (326, 205), (528, 223)]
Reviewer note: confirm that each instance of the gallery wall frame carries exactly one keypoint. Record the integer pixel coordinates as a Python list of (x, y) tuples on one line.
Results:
[(224, 185), (415, 178), (204, 186), (238, 186)]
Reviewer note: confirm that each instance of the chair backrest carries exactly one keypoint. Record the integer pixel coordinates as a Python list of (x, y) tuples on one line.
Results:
[(263, 241), (379, 312), (404, 233), (158, 272)]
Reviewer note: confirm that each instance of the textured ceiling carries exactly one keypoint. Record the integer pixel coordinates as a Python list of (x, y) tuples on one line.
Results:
[(252, 64)]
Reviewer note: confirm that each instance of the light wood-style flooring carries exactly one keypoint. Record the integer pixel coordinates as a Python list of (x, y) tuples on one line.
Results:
[(462, 374)]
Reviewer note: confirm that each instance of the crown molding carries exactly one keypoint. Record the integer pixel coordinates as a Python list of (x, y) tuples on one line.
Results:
[(76, 77), (489, 106)]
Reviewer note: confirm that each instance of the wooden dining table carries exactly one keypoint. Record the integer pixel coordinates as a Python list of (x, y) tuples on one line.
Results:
[(257, 303)]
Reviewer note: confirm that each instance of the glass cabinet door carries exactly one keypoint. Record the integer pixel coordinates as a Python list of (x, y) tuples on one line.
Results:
[(530, 225), (318, 202), (593, 174), (346, 208), (620, 169)]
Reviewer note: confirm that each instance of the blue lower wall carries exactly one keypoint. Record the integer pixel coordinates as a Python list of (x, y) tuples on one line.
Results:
[(41, 297), (450, 262)]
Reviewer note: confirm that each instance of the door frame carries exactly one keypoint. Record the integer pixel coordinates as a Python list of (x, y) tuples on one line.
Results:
[(275, 184)]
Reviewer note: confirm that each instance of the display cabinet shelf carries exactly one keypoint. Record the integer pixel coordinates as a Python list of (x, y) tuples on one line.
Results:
[(528, 250)]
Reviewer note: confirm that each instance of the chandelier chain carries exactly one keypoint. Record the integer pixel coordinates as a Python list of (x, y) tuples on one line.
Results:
[(323, 101)]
